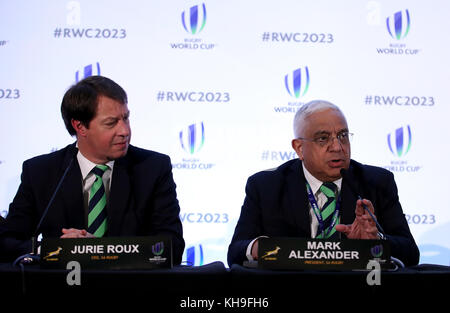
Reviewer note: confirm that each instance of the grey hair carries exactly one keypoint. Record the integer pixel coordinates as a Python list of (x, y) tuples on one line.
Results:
[(306, 110)]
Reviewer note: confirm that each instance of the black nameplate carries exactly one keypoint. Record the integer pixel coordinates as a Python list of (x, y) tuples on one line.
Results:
[(108, 252), (317, 254)]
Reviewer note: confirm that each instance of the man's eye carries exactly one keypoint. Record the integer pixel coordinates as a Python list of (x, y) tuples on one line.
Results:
[(110, 124), (322, 139)]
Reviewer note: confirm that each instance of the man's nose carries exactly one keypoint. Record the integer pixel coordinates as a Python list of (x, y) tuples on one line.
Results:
[(123, 129), (335, 144)]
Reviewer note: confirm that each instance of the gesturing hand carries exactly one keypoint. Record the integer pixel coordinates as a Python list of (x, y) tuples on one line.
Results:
[(363, 227)]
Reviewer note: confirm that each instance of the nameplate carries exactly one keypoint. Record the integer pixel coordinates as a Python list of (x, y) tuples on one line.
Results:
[(317, 254), (108, 252)]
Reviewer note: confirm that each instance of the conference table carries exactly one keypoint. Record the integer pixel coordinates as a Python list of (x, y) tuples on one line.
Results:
[(215, 288)]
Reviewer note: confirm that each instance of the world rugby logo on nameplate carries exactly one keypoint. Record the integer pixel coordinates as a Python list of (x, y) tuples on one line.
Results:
[(377, 251), (158, 250), (192, 141)]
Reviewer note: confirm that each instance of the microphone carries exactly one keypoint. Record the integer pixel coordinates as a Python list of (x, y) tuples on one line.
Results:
[(350, 184), (345, 177), (33, 257)]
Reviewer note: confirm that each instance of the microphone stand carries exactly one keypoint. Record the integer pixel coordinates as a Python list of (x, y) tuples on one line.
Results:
[(33, 256)]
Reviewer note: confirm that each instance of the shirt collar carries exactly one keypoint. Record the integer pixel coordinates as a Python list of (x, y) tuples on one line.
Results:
[(315, 184), (86, 166)]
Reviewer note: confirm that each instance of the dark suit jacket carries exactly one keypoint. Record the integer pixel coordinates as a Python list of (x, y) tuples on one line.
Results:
[(276, 205), (142, 200)]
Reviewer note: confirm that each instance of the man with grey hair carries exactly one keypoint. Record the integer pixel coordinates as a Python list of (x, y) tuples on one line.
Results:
[(306, 197)]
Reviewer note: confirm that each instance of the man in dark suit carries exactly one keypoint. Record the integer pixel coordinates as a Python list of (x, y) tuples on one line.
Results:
[(289, 202), (137, 188)]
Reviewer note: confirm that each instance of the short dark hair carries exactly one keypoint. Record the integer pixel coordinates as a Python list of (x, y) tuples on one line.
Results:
[(81, 100)]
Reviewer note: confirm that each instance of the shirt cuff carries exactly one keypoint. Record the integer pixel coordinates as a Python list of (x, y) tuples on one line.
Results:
[(248, 253)]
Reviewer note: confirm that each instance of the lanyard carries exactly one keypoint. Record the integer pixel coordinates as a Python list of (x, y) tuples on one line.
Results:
[(316, 209)]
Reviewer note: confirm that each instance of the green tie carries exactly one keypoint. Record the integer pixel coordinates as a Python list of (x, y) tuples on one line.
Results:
[(97, 203), (327, 210)]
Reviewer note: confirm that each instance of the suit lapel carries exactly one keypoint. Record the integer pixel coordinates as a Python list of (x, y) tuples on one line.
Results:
[(297, 198), (72, 192), (118, 196), (348, 201)]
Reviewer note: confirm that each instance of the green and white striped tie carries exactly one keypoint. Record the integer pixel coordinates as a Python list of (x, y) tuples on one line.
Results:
[(327, 210), (97, 224)]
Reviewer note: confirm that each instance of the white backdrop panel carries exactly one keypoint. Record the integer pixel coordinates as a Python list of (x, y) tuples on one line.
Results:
[(229, 77)]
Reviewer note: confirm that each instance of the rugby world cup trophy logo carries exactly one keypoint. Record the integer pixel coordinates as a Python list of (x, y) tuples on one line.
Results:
[(158, 248), (297, 83), (88, 70), (399, 141), (398, 24), (194, 19), (194, 255), (192, 138), (377, 251)]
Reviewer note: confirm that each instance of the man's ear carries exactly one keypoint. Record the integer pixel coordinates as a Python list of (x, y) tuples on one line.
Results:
[(79, 127), (297, 145)]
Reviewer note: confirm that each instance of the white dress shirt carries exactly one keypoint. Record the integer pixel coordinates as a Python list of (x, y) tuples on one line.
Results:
[(321, 198), (88, 179)]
